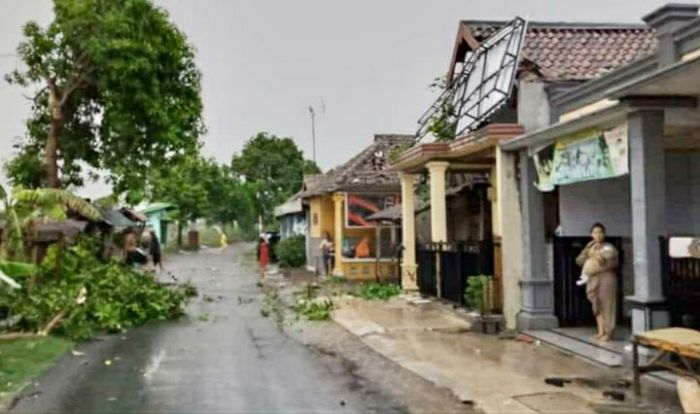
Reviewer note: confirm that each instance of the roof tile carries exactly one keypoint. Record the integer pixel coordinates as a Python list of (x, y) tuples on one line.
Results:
[(564, 51)]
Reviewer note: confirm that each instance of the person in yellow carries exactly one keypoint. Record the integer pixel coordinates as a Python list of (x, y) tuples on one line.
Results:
[(223, 241)]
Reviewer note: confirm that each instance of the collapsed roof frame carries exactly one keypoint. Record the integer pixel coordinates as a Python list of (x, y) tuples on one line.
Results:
[(481, 88)]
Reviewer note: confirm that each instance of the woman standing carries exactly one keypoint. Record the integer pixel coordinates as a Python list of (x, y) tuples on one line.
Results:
[(599, 260), (327, 254), (263, 254)]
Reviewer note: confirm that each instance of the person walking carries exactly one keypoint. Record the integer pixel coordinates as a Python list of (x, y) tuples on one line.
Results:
[(155, 251), (263, 254)]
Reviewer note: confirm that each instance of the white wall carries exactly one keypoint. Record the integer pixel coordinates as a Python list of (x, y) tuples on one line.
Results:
[(608, 201)]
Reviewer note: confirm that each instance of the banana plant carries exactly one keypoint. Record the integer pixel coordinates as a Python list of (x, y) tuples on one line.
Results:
[(27, 207)]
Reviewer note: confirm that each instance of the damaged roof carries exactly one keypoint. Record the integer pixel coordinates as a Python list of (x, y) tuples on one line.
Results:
[(366, 171), (565, 51)]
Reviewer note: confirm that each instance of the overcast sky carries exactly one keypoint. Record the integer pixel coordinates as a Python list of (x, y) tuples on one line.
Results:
[(264, 62)]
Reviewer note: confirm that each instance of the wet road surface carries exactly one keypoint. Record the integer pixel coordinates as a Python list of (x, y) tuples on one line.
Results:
[(225, 357)]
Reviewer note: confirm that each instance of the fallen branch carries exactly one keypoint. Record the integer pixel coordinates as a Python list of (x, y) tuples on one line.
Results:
[(40, 334), (52, 323), (17, 335)]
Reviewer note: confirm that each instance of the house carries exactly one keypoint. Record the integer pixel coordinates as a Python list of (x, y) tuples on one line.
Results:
[(292, 217), (500, 82), (340, 203), (622, 149), (158, 215)]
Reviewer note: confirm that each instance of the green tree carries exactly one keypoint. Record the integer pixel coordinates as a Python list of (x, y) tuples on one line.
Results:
[(274, 167), (182, 184), (118, 90)]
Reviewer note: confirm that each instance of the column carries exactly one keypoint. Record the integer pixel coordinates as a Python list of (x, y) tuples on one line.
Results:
[(648, 191), (338, 200), (438, 208), (537, 287), (508, 227), (409, 269), (438, 212)]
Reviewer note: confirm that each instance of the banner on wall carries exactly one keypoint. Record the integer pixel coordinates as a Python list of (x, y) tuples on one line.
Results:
[(593, 154)]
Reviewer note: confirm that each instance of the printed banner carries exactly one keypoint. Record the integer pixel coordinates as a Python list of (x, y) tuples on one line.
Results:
[(589, 155)]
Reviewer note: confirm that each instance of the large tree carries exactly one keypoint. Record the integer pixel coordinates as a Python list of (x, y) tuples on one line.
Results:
[(274, 166), (116, 90)]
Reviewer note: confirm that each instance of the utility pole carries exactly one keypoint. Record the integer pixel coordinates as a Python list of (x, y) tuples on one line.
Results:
[(313, 131)]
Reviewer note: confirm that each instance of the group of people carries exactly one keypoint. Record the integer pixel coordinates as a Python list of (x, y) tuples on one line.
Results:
[(146, 252)]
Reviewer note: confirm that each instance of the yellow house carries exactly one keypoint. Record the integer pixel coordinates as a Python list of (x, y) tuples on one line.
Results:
[(341, 203)]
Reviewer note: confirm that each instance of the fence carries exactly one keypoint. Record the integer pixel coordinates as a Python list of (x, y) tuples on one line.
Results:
[(681, 284), (450, 265)]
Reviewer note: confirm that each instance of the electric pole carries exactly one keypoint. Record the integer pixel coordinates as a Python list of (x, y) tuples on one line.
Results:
[(313, 131)]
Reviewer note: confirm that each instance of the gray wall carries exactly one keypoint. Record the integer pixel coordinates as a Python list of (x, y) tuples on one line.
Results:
[(608, 201), (533, 113)]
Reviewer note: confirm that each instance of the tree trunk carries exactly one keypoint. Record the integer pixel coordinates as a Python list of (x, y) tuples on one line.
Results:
[(55, 130), (179, 234)]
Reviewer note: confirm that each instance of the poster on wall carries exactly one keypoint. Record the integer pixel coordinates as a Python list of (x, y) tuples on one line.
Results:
[(359, 207), (589, 155)]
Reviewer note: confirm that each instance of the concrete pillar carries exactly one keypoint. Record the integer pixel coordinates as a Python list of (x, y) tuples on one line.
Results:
[(648, 191), (438, 212), (338, 200), (438, 208), (508, 227), (409, 269), (537, 287)]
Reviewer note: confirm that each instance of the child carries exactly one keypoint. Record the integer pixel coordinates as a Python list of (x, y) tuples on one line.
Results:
[(263, 254), (592, 262)]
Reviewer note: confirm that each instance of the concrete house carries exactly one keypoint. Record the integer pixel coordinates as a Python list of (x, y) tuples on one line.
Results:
[(341, 203), (637, 132), (517, 68)]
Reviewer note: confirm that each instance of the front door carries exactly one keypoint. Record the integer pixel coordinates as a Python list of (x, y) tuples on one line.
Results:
[(571, 306)]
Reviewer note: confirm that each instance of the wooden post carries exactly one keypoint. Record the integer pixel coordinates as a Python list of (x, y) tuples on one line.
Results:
[(635, 368)]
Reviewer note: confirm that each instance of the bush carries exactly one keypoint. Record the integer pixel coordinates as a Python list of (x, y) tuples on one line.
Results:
[(291, 252), (117, 296), (380, 291), (475, 292)]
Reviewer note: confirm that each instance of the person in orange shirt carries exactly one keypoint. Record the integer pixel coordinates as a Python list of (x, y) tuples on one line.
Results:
[(362, 248)]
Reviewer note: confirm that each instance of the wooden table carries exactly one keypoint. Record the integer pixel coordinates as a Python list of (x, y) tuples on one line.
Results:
[(682, 342)]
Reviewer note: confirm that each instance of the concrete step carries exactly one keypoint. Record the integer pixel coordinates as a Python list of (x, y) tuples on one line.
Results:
[(578, 347)]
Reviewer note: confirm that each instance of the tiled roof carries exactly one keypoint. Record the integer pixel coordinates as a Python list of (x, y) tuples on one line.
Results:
[(566, 51), (367, 171)]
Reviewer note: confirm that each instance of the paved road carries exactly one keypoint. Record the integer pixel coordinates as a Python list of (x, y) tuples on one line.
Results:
[(224, 358)]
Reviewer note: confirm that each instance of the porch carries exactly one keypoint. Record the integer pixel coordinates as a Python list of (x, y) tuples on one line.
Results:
[(460, 179)]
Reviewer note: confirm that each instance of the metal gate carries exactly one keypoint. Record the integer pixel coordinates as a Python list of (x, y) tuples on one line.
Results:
[(681, 283), (457, 262), (571, 306)]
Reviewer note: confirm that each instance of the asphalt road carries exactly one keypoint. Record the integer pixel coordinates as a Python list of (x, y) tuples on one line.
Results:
[(225, 357)]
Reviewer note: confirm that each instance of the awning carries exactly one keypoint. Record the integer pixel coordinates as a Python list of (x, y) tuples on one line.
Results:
[(115, 218), (605, 118), (679, 79), (292, 206), (467, 147)]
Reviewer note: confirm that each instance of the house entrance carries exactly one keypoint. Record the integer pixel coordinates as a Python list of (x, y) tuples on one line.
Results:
[(571, 306)]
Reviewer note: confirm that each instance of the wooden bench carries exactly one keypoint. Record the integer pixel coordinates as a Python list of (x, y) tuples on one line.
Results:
[(681, 342)]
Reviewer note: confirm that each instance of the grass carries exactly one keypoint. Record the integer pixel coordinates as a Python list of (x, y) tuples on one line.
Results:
[(24, 359)]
